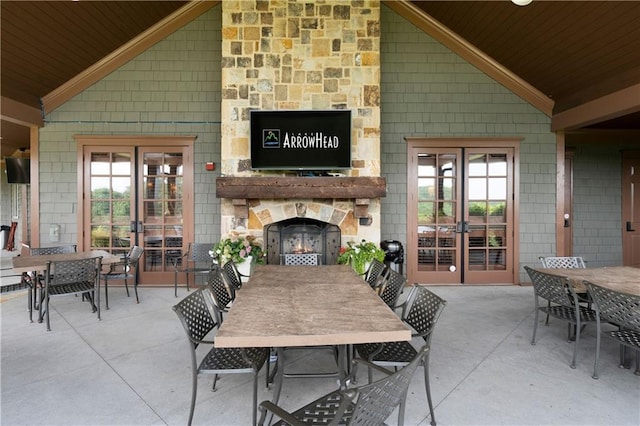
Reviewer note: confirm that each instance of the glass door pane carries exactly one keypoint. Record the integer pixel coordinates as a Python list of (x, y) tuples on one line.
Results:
[(488, 189), (434, 255), (110, 200), (162, 209)]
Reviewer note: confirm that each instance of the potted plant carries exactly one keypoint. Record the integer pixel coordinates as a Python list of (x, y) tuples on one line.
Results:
[(240, 249), (360, 255)]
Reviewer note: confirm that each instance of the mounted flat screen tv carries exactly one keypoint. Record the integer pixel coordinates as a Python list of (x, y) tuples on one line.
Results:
[(301, 140), (18, 169)]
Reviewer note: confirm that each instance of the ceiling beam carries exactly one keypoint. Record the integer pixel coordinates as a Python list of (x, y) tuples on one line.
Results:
[(617, 104), (472, 54), (125, 53), (19, 113)]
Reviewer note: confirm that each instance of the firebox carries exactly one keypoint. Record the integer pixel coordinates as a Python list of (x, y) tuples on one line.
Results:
[(302, 241)]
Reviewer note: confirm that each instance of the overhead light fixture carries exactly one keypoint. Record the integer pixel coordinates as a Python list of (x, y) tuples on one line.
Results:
[(521, 2)]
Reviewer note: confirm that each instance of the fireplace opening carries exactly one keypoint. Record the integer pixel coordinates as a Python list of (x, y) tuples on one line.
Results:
[(302, 241)]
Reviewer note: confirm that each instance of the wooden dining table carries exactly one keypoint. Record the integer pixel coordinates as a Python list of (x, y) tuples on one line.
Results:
[(624, 279), (286, 306), (38, 263)]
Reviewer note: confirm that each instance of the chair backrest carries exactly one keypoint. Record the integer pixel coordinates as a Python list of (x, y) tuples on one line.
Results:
[(39, 251), (231, 275), (134, 255), (422, 311), (574, 262), (73, 271), (199, 253), (375, 270), (392, 286), (375, 402), (618, 308), (196, 317), (553, 288), (222, 295)]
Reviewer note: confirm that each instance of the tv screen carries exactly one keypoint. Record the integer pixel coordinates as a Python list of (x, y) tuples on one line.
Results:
[(18, 170), (301, 140)]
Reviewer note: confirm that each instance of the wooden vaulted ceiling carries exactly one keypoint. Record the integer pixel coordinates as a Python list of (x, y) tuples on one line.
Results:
[(573, 52)]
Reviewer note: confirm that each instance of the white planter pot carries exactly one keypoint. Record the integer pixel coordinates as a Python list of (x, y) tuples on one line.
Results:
[(245, 268)]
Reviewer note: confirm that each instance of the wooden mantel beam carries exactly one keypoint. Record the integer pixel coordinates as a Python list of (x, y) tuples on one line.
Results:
[(263, 187)]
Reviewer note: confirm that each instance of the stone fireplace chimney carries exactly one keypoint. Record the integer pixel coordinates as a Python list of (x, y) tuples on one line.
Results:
[(301, 55)]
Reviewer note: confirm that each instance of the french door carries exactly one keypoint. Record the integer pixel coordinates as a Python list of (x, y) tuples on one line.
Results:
[(461, 204), (139, 195)]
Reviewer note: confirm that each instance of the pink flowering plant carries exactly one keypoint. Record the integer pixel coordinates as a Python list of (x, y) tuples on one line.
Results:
[(237, 248)]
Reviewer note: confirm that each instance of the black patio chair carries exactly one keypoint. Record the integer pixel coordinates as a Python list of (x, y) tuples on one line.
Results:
[(420, 312), (196, 260), (369, 404), (124, 270), (66, 277), (390, 287), (562, 303), (34, 281), (196, 312), (375, 270), (223, 294), (232, 275), (623, 311)]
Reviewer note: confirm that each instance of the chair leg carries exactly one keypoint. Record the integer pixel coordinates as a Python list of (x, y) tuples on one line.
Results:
[(427, 386), (194, 390), (215, 380), (30, 303), (175, 283), (126, 286), (595, 363), (535, 323), (577, 340), (135, 289), (106, 293), (46, 310), (254, 414)]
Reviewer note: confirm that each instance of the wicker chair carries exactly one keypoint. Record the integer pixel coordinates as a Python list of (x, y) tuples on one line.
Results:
[(196, 260), (621, 310), (562, 303), (196, 314), (571, 262), (72, 277), (421, 312), (390, 287), (123, 270), (369, 404), (568, 262), (34, 281)]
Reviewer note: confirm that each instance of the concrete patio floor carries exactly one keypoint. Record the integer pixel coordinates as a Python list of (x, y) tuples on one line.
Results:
[(132, 367)]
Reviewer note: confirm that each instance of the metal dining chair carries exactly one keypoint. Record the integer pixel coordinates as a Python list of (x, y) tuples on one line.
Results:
[(124, 270), (562, 303), (196, 260), (34, 281), (67, 277), (196, 312), (421, 312), (621, 310), (369, 404)]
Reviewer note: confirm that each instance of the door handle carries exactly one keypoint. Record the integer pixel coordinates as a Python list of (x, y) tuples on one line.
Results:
[(629, 229), (462, 227)]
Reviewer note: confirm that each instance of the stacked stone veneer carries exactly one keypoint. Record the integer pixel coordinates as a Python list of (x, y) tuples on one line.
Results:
[(301, 55)]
